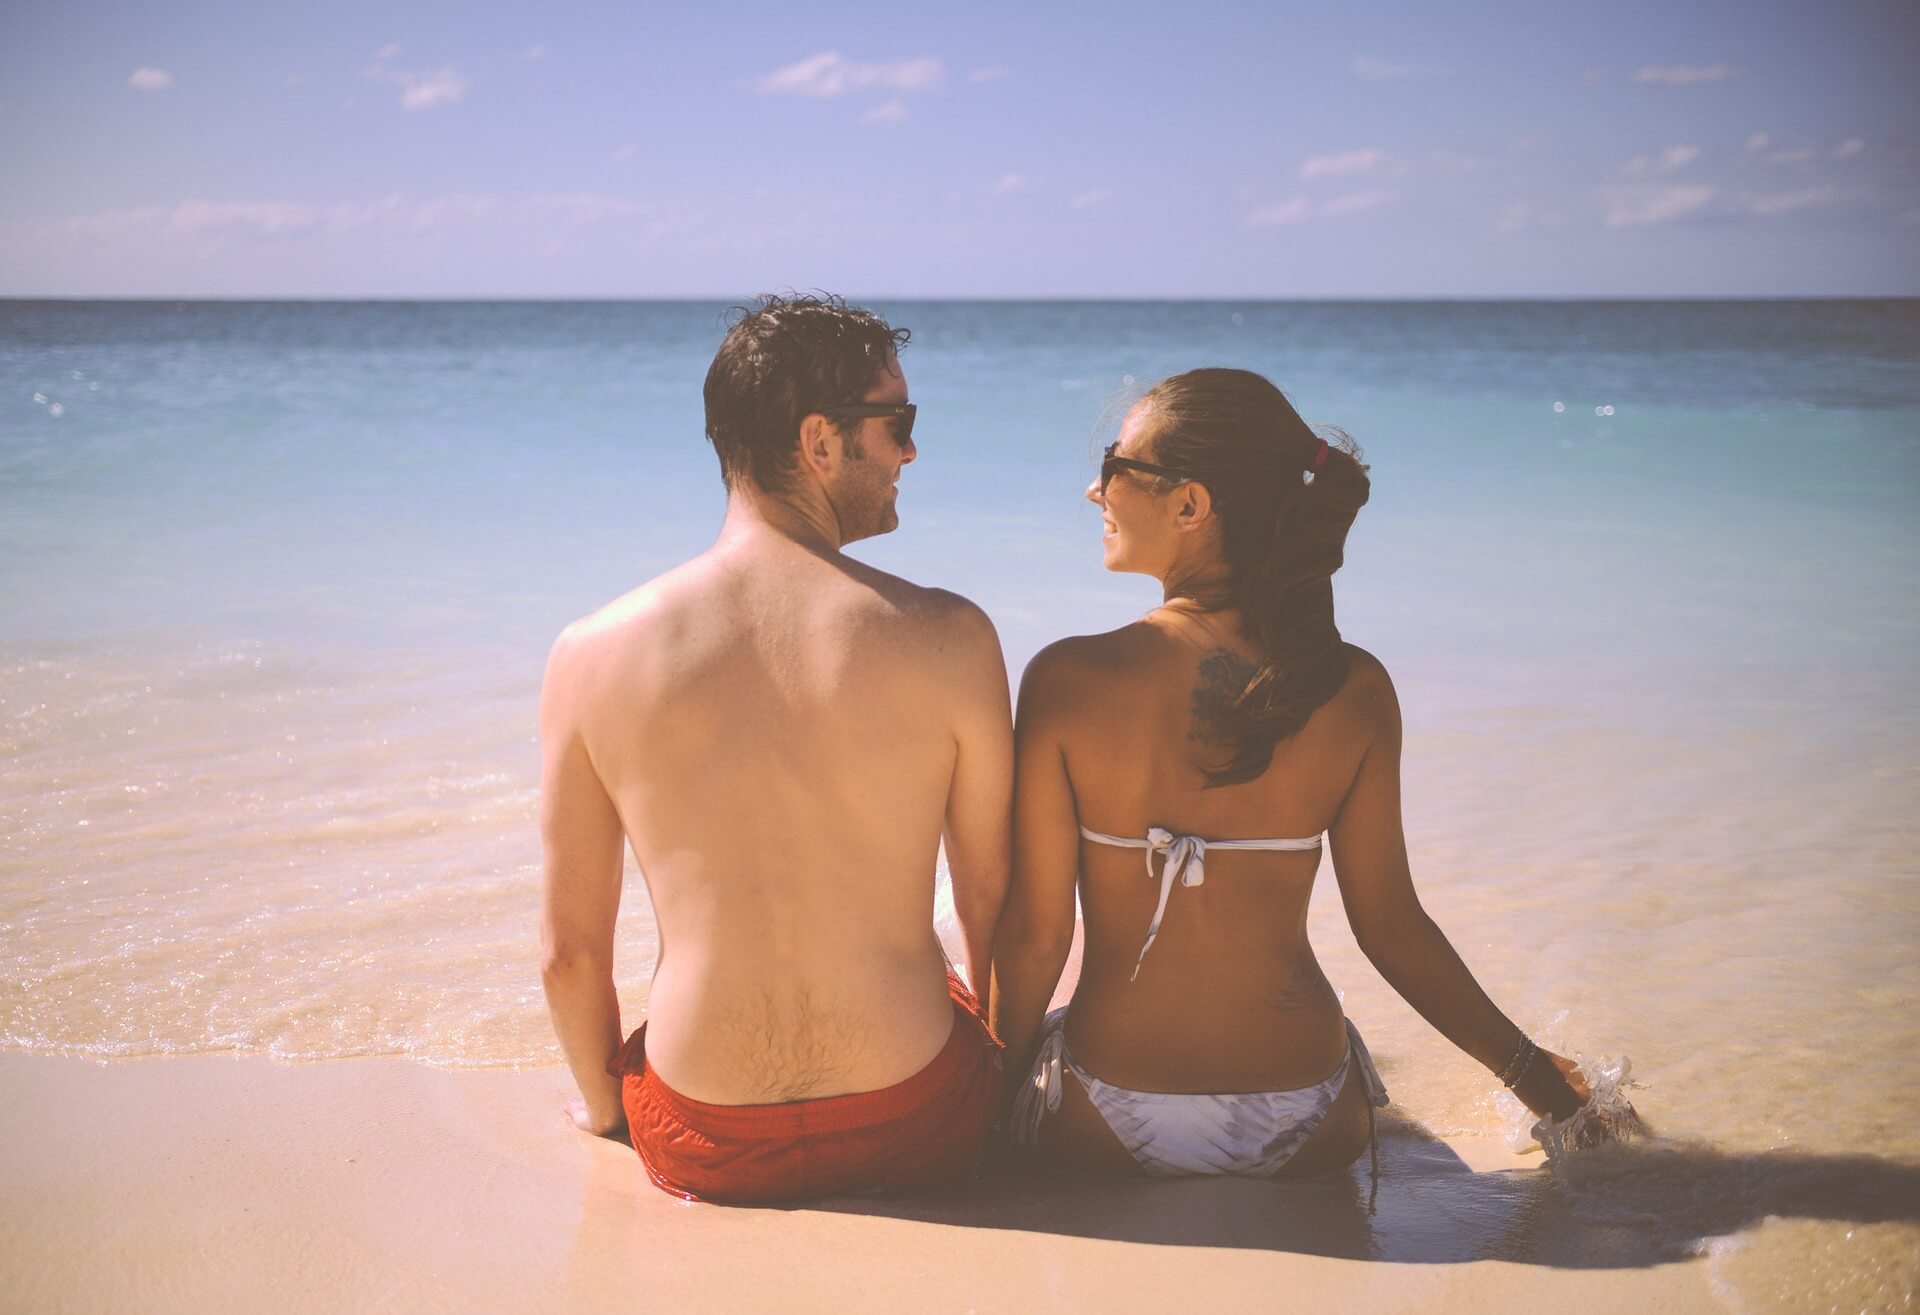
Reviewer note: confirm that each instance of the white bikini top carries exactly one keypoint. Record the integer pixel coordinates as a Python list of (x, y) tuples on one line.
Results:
[(1185, 858)]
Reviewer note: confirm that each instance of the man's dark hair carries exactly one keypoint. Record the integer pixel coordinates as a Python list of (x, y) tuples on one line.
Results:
[(786, 358)]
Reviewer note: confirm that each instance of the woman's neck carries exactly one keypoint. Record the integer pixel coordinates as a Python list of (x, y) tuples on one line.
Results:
[(1208, 587)]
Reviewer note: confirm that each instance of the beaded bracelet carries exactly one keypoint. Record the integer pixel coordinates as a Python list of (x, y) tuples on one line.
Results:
[(1516, 1068)]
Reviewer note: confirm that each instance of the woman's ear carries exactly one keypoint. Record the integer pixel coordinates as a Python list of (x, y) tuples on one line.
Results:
[(1194, 507)]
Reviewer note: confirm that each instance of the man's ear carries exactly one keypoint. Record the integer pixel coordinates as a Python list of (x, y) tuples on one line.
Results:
[(1195, 507), (820, 445)]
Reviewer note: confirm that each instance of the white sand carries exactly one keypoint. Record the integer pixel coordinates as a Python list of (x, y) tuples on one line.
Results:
[(216, 1183)]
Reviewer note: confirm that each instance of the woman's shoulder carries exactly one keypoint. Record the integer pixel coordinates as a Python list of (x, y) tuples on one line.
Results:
[(1084, 655), (1079, 664), (1364, 669), (1368, 691)]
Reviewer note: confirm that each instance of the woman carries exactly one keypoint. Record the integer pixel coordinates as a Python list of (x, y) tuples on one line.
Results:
[(1218, 738)]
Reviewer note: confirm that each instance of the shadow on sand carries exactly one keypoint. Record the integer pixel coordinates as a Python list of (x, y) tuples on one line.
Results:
[(1622, 1206)]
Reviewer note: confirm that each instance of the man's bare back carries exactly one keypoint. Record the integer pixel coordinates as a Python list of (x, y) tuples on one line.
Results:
[(783, 735), (778, 729)]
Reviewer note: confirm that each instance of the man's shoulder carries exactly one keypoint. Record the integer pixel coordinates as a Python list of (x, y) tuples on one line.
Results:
[(947, 611), (618, 630), (939, 614), (608, 624)]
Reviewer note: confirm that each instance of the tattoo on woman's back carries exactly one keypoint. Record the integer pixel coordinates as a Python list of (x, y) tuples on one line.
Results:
[(1223, 679)]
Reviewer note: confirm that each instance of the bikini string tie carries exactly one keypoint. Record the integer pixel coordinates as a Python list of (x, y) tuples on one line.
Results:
[(1184, 857)]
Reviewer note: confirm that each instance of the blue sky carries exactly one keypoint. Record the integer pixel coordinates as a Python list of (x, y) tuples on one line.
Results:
[(1200, 149)]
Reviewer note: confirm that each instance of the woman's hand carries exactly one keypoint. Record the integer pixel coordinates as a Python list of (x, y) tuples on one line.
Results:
[(1560, 1090), (1553, 1085)]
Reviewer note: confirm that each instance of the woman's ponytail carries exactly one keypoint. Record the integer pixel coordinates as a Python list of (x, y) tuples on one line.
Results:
[(1286, 498)]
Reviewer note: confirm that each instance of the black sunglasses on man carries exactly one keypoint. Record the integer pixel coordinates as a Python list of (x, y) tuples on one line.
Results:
[(902, 413)]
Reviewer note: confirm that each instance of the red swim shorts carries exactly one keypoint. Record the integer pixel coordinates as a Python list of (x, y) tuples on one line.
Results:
[(919, 1133)]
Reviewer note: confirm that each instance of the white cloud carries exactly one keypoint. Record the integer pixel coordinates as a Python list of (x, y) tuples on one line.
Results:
[(1354, 203), (587, 207), (1515, 216), (1761, 147), (198, 219), (1378, 70), (261, 216), (1370, 160), (341, 216), (1287, 212), (1780, 203), (283, 228), (1099, 196), (447, 211), (1654, 203), (1300, 209), (110, 222), (992, 73), (202, 220), (420, 89), (827, 75), (1519, 216), (1009, 184), (1659, 203), (534, 52), (886, 113), (1683, 75), (626, 152), (1671, 160), (1444, 161), (150, 79), (428, 88), (389, 51)]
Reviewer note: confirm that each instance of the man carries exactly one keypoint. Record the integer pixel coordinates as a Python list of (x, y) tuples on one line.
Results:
[(783, 734)]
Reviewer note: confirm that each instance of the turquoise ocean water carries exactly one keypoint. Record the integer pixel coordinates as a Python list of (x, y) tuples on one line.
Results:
[(277, 581)]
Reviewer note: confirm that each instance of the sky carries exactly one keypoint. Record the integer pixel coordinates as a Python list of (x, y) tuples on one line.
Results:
[(217, 148)]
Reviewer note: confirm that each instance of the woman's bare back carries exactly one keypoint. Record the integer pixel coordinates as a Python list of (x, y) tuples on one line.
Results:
[(1230, 997)]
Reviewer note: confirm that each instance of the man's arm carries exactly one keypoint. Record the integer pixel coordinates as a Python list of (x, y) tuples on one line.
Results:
[(580, 894), (979, 823)]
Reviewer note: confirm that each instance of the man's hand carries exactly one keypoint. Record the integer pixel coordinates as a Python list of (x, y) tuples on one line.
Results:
[(580, 891), (583, 1119)]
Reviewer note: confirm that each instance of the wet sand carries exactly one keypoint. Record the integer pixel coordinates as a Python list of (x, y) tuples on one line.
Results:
[(217, 1183)]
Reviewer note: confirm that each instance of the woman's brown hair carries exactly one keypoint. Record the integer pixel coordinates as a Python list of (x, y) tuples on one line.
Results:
[(1283, 527)]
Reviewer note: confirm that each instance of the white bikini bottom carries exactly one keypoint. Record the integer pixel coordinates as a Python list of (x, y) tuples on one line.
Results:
[(1170, 1134)]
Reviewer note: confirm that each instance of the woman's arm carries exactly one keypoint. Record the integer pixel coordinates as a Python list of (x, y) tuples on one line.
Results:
[(1036, 927), (1376, 884)]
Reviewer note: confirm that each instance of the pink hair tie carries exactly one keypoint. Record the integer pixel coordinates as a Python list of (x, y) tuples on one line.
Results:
[(1320, 454)]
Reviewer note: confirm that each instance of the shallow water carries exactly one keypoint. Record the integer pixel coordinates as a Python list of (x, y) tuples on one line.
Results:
[(276, 584)]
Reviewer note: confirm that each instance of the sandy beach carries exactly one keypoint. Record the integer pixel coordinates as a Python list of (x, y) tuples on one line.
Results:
[(218, 1183)]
